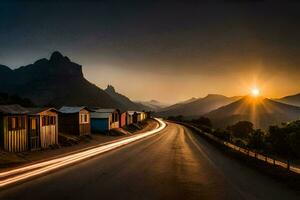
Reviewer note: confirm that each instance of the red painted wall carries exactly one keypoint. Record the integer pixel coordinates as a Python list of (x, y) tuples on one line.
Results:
[(123, 119)]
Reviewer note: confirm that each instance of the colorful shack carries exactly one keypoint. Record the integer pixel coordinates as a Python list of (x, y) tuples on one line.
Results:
[(74, 120), (142, 116), (132, 117), (137, 116), (13, 128), (123, 119), (42, 127), (105, 119)]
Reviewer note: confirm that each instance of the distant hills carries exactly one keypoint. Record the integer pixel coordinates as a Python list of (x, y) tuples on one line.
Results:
[(292, 100), (56, 82), (262, 112), (197, 107), (224, 111), (154, 104)]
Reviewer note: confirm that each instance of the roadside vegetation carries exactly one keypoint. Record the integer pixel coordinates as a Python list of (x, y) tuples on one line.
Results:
[(280, 141)]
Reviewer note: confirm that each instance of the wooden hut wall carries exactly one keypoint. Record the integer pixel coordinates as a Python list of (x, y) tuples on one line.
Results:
[(34, 141), (129, 119), (84, 122), (123, 121), (135, 118), (15, 137), (68, 123), (114, 120), (48, 128), (143, 116)]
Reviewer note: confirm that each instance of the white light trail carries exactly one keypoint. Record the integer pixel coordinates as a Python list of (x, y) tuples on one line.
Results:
[(22, 173)]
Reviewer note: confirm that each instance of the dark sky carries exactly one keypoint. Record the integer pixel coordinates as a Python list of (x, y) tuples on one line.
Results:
[(167, 51)]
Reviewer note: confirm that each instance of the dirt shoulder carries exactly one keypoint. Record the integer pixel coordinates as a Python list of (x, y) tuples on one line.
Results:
[(10, 160)]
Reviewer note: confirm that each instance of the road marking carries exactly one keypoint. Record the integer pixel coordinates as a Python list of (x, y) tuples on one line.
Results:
[(22, 173)]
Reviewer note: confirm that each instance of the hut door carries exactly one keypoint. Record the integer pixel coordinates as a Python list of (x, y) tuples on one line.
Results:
[(34, 136)]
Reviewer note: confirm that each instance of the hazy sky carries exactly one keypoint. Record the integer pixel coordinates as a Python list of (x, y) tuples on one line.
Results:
[(169, 52)]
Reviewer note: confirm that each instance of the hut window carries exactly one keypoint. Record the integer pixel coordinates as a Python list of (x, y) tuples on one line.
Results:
[(33, 124), (45, 121), (84, 119), (12, 123), (52, 120), (15, 123)]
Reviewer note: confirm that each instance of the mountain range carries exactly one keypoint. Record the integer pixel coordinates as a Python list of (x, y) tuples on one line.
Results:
[(262, 112), (56, 82), (292, 100), (59, 81), (154, 105), (224, 111), (197, 106)]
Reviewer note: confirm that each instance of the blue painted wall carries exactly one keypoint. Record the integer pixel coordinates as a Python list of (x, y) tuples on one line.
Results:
[(99, 125)]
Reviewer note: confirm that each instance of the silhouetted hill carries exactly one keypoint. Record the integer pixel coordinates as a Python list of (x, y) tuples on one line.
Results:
[(292, 100), (262, 112), (56, 82), (125, 101), (6, 99), (197, 107)]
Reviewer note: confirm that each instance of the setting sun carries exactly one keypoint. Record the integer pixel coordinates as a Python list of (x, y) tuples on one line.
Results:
[(255, 92)]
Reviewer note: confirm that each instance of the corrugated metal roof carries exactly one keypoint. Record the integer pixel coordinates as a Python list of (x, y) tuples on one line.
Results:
[(100, 115), (105, 110), (39, 110), (69, 109), (13, 109)]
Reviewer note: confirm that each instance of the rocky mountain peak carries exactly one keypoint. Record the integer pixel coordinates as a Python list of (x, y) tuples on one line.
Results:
[(110, 89), (56, 55), (154, 101)]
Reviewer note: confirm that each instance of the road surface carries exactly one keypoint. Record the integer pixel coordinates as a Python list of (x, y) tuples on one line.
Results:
[(174, 164)]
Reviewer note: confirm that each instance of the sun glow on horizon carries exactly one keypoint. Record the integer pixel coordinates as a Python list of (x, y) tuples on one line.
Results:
[(255, 92)]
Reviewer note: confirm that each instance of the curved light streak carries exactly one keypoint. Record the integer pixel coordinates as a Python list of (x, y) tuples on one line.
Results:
[(30, 171)]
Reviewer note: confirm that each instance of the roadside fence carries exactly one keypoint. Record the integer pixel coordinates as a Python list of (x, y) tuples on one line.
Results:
[(272, 161)]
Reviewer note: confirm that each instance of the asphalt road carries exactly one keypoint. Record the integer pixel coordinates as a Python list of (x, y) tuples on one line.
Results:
[(175, 164)]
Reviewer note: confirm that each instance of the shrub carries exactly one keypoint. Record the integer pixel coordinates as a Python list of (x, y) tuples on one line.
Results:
[(257, 140), (242, 129)]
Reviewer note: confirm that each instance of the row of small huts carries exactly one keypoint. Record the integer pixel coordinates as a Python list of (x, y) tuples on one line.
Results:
[(23, 129)]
